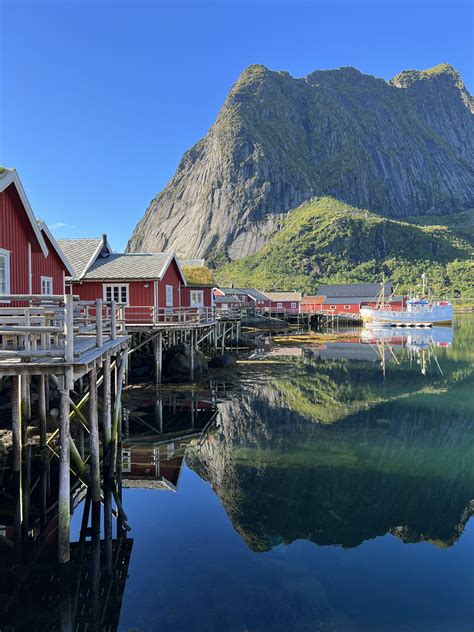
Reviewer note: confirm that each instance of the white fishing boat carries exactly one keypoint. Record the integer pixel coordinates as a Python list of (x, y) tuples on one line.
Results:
[(419, 312)]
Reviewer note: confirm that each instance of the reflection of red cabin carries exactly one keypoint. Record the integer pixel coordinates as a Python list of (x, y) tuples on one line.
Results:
[(31, 261), (284, 302), (144, 283), (345, 298), (158, 462)]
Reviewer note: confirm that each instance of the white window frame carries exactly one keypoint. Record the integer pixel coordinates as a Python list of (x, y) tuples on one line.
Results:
[(280, 305), (113, 286), (126, 461), (6, 254), (347, 306), (169, 296), (293, 305), (196, 298), (332, 307), (49, 281)]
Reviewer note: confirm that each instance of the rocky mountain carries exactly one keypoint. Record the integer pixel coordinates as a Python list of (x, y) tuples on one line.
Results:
[(398, 148)]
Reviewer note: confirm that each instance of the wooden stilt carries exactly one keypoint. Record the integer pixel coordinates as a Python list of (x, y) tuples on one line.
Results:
[(192, 354), (64, 480), (42, 408), (107, 410), (158, 357), (94, 436)]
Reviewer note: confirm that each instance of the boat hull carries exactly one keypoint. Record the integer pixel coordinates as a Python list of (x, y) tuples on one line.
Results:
[(435, 315)]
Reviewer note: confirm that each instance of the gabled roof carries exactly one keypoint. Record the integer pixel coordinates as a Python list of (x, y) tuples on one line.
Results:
[(346, 290), (310, 300), (45, 230), (228, 298), (82, 253), (252, 292), (10, 176), (130, 266), (284, 296), (192, 263)]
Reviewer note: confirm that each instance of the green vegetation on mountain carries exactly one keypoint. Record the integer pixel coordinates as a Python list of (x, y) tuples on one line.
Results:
[(326, 240)]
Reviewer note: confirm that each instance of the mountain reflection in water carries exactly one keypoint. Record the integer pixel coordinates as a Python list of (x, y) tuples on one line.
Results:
[(280, 500), (332, 451)]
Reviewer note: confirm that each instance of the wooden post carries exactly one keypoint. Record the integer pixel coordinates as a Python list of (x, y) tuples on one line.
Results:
[(98, 323), (192, 353), (64, 480), (69, 327), (94, 436), (16, 466), (158, 349), (113, 320), (42, 408), (107, 408)]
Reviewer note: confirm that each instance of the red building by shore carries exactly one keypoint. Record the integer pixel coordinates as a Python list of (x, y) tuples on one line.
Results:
[(31, 261)]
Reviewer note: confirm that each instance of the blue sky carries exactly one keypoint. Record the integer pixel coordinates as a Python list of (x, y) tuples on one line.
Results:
[(99, 100)]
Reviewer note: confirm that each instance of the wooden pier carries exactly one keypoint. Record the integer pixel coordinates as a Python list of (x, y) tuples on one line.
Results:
[(75, 347)]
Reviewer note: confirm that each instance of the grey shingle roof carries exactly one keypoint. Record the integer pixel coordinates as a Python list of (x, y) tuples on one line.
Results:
[(191, 263), (353, 290), (255, 294), (284, 296), (79, 252), (129, 266), (228, 298)]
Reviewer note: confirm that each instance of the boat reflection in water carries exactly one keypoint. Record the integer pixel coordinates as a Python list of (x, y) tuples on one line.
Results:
[(420, 343)]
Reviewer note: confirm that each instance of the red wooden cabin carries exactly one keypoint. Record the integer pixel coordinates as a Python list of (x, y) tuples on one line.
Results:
[(31, 261), (345, 298), (149, 286), (248, 297), (200, 282), (284, 302)]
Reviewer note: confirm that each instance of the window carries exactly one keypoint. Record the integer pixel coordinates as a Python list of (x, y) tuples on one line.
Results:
[(126, 460), (347, 306), (197, 298), (46, 285), (169, 296), (279, 304), (117, 293), (4, 271), (293, 306), (332, 307)]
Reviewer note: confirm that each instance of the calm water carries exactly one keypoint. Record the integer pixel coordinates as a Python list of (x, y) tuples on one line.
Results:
[(322, 488)]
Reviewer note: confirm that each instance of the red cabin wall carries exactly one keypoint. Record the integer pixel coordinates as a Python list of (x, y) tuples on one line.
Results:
[(286, 306), (14, 237), (354, 308), (172, 277), (186, 296), (138, 294), (50, 266)]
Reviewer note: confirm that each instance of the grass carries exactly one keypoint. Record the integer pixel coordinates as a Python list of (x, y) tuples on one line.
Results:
[(198, 276), (327, 240)]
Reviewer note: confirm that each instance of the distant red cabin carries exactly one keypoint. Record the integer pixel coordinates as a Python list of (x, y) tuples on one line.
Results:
[(345, 298), (284, 302)]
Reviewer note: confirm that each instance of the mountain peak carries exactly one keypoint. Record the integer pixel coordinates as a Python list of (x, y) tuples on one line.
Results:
[(406, 78), (279, 141)]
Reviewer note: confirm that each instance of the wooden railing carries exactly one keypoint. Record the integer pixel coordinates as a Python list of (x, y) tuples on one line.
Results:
[(133, 316), (59, 326)]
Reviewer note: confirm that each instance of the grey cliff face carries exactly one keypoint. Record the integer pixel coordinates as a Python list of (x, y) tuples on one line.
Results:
[(400, 148)]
